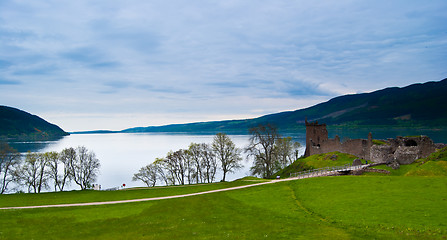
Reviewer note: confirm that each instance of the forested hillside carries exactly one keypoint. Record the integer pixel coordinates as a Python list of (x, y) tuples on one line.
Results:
[(18, 124), (417, 105)]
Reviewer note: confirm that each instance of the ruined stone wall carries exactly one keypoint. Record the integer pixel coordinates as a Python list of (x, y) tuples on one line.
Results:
[(400, 150), (318, 142), (357, 147), (316, 134)]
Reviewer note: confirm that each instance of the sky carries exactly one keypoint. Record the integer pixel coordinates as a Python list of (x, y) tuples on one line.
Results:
[(112, 64)]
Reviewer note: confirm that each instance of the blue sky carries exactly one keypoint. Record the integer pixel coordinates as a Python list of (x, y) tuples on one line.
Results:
[(112, 64)]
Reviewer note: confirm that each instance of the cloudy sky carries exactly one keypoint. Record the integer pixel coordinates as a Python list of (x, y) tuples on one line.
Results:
[(115, 64)]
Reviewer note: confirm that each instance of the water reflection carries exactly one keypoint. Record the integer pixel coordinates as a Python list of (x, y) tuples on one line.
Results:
[(33, 146)]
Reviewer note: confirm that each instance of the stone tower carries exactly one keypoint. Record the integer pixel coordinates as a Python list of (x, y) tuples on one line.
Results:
[(315, 135)]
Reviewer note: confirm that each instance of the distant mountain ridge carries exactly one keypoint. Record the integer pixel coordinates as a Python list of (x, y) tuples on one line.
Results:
[(18, 124), (413, 106)]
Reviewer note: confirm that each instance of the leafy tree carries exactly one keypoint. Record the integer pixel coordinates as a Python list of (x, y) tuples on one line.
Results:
[(9, 159), (84, 167), (147, 174), (227, 153)]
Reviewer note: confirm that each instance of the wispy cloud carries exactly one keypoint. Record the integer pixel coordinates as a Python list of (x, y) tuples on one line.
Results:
[(212, 58), (9, 82)]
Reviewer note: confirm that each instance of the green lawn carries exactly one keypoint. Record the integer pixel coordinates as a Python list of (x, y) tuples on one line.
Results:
[(347, 207), (12, 200)]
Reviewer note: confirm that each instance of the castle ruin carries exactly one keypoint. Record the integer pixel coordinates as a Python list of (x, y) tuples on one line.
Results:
[(400, 150)]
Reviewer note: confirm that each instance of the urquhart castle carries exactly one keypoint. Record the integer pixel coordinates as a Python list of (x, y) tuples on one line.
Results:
[(395, 152)]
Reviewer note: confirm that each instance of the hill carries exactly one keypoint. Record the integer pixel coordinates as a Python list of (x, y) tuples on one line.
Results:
[(415, 106), (18, 124)]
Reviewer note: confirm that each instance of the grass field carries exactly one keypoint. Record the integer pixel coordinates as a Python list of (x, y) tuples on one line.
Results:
[(410, 203), (51, 198), (348, 207)]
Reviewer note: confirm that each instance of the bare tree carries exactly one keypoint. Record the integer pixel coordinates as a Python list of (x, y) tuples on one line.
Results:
[(270, 151), (147, 174), (286, 151), (195, 153), (203, 162), (209, 163), (227, 153), (33, 172), (190, 170), (9, 158), (163, 174), (262, 148), (84, 168), (176, 166), (52, 159), (66, 156)]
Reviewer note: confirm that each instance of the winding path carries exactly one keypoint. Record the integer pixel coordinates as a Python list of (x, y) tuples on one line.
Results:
[(165, 197)]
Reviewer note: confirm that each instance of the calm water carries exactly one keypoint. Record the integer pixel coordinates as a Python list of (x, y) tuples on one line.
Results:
[(123, 154)]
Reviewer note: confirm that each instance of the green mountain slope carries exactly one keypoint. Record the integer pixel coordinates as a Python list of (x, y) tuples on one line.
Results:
[(18, 124), (416, 105)]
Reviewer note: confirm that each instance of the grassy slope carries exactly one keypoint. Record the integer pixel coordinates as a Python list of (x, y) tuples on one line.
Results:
[(349, 207), (433, 165), (316, 161)]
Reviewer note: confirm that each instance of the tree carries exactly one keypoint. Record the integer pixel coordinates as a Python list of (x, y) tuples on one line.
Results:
[(33, 172), (208, 162), (227, 153), (66, 156), (262, 148), (9, 159), (163, 174), (147, 174), (195, 153), (52, 159), (270, 151), (177, 165), (203, 162), (84, 168), (286, 151)]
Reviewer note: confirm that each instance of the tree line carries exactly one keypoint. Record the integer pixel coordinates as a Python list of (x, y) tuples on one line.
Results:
[(49, 170), (199, 163)]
